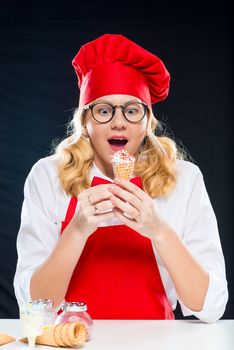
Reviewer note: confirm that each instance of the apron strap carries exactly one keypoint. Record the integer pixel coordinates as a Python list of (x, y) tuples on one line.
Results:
[(70, 213)]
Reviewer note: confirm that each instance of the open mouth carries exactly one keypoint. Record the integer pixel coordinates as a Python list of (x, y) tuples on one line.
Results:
[(117, 142)]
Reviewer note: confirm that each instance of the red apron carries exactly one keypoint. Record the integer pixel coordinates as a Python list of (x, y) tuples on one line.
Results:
[(117, 274)]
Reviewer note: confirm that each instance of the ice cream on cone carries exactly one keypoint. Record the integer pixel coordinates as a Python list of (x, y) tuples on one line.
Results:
[(123, 164), (31, 322), (68, 334)]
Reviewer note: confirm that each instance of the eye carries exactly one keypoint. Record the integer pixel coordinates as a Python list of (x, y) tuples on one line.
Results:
[(132, 109), (102, 109)]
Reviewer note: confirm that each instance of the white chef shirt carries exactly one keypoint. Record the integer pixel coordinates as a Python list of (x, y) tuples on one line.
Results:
[(187, 210)]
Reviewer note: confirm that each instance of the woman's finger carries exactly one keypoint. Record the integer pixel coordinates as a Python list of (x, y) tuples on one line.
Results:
[(95, 194), (98, 194), (125, 207), (125, 220), (104, 217), (103, 207), (132, 188), (126, 196)]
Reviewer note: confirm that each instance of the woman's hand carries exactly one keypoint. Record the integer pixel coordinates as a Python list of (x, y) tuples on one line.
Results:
[(94, 207), (136, 209)]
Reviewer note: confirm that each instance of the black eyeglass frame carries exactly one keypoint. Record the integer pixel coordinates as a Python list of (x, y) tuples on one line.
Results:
[(146, 108)]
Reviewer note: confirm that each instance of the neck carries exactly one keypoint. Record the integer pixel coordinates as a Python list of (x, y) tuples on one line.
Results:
[(107, 170)]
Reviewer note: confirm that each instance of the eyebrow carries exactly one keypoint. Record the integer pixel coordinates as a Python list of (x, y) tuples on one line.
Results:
[(105, 101)]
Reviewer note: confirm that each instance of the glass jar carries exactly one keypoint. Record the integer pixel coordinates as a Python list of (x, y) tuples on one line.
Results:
[(34, 316), (47, 309), (75, 312)]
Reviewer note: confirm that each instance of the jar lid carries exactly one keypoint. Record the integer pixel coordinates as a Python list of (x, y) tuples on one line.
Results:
[(42, 301), (74, 306)]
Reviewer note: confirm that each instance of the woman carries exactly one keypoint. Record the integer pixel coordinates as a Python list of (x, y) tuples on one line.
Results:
[(129, 249)]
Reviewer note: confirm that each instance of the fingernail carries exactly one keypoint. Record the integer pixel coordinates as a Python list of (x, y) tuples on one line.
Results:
[(111, 187)]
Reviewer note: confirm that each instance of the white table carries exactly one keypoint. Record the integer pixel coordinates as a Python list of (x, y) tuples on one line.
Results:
[(145, 335)]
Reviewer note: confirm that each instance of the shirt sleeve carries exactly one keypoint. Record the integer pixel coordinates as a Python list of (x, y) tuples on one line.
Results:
[(201, 236), (39, 229)]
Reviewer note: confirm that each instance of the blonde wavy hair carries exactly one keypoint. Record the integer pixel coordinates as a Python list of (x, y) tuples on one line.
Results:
[(156, 163)]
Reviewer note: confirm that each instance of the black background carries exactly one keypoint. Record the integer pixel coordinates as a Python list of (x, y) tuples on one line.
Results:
[(38, 93)]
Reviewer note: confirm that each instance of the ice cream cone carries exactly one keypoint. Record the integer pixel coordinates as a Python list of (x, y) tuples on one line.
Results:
[(74, 334), (123, 164), (123, 170), (5, 339), (63, 335)]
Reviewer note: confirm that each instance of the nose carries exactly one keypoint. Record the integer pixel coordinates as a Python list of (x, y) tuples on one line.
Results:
[(118, 121)]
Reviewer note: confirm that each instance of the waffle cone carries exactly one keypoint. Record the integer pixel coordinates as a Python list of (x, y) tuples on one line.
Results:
[(123, 170), (63, 335), (5, 338)]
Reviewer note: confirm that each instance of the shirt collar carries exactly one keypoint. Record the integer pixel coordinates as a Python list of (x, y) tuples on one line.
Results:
[(95, 171)]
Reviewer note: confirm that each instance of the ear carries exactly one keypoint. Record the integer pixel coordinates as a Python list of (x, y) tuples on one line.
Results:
[(85, 131)]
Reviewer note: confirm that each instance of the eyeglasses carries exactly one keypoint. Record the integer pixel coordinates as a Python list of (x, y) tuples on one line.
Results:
[(103, 112)]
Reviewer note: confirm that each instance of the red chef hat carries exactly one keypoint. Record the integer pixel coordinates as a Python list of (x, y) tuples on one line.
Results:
[(113, 64)]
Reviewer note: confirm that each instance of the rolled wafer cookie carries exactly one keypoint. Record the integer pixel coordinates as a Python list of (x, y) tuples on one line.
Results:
[(63, 335), (6, 338), (57, 335)]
